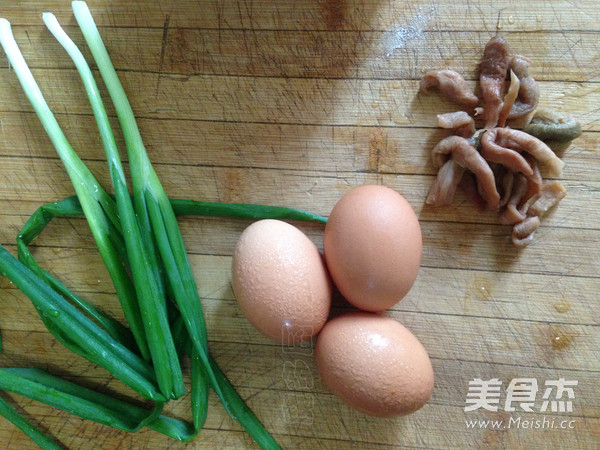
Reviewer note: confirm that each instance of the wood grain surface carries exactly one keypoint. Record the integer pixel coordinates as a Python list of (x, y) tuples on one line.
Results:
[(294, 103)]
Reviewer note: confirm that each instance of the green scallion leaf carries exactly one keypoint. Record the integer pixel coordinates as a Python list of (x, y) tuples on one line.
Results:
[(41, 439)]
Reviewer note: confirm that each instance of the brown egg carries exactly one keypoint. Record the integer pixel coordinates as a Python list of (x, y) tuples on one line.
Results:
[(280, 281), (373, 247), (374, 364)]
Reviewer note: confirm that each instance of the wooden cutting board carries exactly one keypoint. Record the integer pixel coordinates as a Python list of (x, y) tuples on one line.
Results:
[(294, 103)]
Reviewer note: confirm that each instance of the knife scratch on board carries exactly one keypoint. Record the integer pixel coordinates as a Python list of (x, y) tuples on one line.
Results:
[(163, 47)]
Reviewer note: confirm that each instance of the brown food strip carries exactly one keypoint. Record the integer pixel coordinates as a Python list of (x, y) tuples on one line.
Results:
[(468, 157), (522, 142), (534, 181), (451, 85), (524, 207), (511, 214), (509, 99), (508, 157), (504, 145), (550, 195), (444, 186), (523, 232), (469, 186), (460, 122), (444, 149), (492, 75), (506, 179), (529, 91)]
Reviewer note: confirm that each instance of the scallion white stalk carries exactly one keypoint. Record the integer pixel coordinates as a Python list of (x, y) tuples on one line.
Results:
[(142, 259), (99, 208)]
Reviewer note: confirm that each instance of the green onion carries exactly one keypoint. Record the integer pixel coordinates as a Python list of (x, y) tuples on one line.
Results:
[(171, 427), (41, 386), (141, 253), (90, 341), (33, 227), (99, 208), (242, 210), (41, 439), (200, 381), (71, 207), (152, 205), (88, 404), (238, 408)]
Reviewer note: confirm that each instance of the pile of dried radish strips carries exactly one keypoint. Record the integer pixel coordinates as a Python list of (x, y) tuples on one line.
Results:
[(498, 166)]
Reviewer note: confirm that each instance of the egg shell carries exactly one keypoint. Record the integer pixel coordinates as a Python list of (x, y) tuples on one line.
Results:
[(373, 247), (374, 364), (280, 281)]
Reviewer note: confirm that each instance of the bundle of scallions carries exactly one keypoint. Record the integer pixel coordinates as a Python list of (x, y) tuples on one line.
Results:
[(141, 245)]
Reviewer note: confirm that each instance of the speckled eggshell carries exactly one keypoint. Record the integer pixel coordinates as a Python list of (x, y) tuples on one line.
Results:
[(280, 281), (373, 247), (374, 364)]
